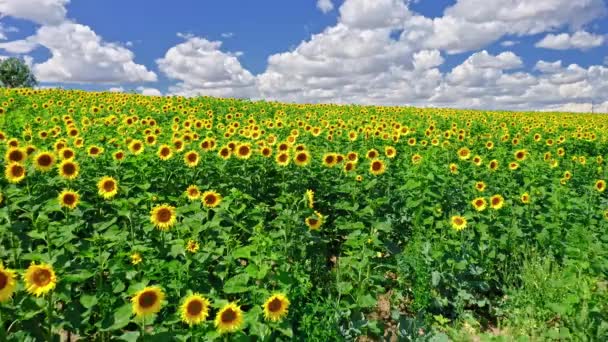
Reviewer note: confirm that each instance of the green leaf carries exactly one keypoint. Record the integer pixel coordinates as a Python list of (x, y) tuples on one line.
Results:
[(129, 336), (344, 287), (237, 284), (88, 301), (122, 317)]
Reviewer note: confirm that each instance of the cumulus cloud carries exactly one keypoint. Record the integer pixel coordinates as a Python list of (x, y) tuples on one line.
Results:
[(149, 91), (325, 5), (579, 40), (47, 12), (201, 68)]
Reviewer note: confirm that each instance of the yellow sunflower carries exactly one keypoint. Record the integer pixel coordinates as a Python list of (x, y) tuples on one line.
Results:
[(390, 152), (480, 186), (147, 301), (302, 158), (43, 161), (314, 222), (40, 279), (211, 199), (453, 168), (14, 172), (497, 202), (192, 246), (525, 198), (458, 223), (479, 204), (107, 187), (136, 258), (377, 167), (195, 309), (15, 155), (243, 151), (163, 217), (330, 159), (164, 152), (136, 147), (69, 169), (229, 318), (191, 158), (193, 193), (464, 153), (282, 159), (310, 197), (276, 307), (225, 153), (600, 185), (8, 283), (68, 199)]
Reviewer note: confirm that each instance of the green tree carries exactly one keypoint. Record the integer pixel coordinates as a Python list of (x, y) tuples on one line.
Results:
[(15, 73)]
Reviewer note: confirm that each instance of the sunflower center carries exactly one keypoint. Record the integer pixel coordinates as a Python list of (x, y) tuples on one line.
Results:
[(495, 201), (164, 215), (301, 157), (376, 166), (94, 150), (42, 277), (244, 150), (15, 156), (228, 316), (275, 305), (164, 152), (68, 154), (109, 185), (195, 307), (479, 203), (283, 158), (329, 159), (349, 167), (210, 199), (18, 170), (458, 221), (69, 169), (224, 152), (3, 280), (147, 299), (313, 221), (69, 199), (192, 157), (193, 192), (352, 157), (137, 146)]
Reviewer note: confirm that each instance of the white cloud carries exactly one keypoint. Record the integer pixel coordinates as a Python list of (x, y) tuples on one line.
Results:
[(202, 69), (427, 59), (579, 40), (47, 12), (116, 89), (364, 14), (509, 43), (227, 35), (78, 55), (149, 91), (325, 5)]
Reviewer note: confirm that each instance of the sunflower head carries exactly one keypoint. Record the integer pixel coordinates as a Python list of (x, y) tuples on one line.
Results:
[(243, 151), (525, 198), (194, 309), (192, 246), (40, 279), (136, 258), (276, 307), (68, 199), (497, 202), (69, 169), (453, 168), (15, 155), (600, 185), (479, 203), (8, 283), (164, 152), (193, 193), (390, 152), (107, 187), (314, 222), (147, 301), (136, 147), (458, 223), (229, 318), (464, 153), (14, 172), (282, 159), (329, 159), (377, 167), (163, 217), (302, 158), (211, 199), (191, 158)]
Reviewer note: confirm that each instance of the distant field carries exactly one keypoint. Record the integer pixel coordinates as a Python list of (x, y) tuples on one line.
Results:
[(200, 218)]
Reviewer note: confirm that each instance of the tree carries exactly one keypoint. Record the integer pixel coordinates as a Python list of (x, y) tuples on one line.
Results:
[(15, 73)]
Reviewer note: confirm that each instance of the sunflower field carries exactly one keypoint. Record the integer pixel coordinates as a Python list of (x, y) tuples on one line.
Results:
[(135, 218)]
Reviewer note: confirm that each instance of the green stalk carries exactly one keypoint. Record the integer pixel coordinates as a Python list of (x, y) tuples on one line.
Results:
[(49, 317)]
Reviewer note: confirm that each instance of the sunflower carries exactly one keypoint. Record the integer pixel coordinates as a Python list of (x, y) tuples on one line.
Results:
[(193, 193), (14, 172), (458, 223), (191, 158), (276, 307), (107, 187), (520, 155), (352, 156), (40, 279), (310, 197), (68, 199), (416, 159), (66, 153), (136, 258), (95, 151), (163, 217), (192, 246), (372, 154), (302, 158), (359, 178), (211, 199), (390, 152), (229, 318), (600, 185), (464, 153), (266, 151), (453, 168), (243, 151), (377, 167), (513, 166), (493, 165), (136, 147), (497, 202), (224, 152), (479, 204), (525, 198), (314, 222), (282, 159), (8, 283), (329, 159), (15, 155), (69, 169), (164, 152), (147, 301), (118, 155), (349, 166), (195, 309), (477, 160)]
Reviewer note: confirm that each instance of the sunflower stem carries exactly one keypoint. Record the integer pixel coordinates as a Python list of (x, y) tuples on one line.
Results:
[(49, 317), (143, 328)]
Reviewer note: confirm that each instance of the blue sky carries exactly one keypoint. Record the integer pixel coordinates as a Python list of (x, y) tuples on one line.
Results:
[(520, 54)]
